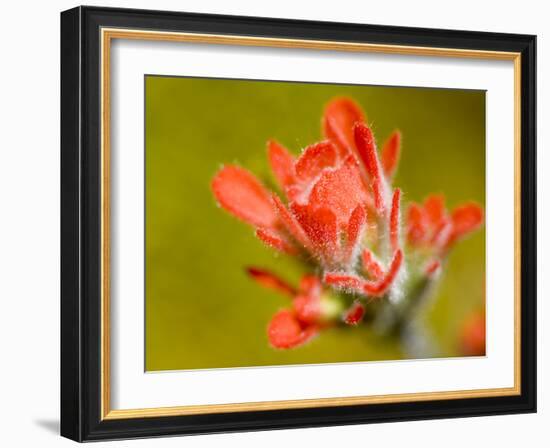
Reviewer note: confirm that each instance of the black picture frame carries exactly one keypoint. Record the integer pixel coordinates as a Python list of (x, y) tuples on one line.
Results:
[(81, 227)]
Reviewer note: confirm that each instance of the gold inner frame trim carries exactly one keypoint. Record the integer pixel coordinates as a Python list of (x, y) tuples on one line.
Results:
[(107, 35)]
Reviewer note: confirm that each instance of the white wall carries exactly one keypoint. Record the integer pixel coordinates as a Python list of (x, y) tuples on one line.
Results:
[(29, 223)]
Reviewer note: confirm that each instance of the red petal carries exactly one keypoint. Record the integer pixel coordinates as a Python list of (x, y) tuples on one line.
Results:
[(416, 224), (371, 265), (286, 331), (242, 194), (356, 226), (443, 234), (321, 228), (384, 285), (339, 117), (432, 268), (291, 224), (437, 220), (308, 308), (345, 281), (308, 303), (275, 240), (354, 314), (434, 207), (366, 148), (271, 281), (375, 289), (466, 219), (314, 159), (293, 192), (340, 190), (282, 163), (391, 152), (394, 219)]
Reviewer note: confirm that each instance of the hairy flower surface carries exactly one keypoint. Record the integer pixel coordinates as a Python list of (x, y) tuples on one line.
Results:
[(338, 212)]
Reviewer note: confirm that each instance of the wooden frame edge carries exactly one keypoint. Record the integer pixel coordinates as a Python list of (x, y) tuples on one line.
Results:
[(107, 34)]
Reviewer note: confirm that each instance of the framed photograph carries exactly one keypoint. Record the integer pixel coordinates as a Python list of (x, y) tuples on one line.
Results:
[(276, 224)]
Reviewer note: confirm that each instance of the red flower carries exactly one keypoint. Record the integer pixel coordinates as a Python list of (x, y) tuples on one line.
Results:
[(294, 326), (355, 313), (286, 331), (430, 227), (331, 189), (339, 211)]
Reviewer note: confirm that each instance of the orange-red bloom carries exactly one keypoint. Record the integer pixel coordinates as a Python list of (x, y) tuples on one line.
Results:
[(286, 331), (298, 324), (355, 313), (339, 211), (329, 190), (430, 225)]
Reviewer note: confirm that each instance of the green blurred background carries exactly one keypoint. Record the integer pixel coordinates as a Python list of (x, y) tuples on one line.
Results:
[(202, 311)]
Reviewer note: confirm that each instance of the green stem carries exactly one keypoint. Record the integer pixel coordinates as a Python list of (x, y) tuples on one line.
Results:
[(395, 319)]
